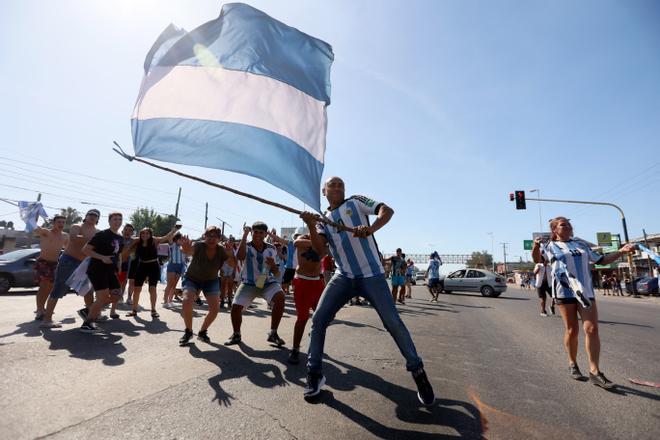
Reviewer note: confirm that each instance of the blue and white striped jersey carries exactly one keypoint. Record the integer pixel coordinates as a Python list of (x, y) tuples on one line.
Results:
[(434, 268), (176, 256), (355, 257), (577, 256), (255, 262), (291, 255)]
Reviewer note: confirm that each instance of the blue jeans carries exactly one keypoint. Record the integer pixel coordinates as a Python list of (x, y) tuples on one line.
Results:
[(66, 265), (337, 293)]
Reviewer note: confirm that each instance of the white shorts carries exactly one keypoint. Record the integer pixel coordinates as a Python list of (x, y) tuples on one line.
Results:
[(246, 293)]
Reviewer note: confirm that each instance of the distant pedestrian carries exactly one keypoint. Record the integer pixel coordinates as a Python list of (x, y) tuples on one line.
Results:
[(175, 268), (398, 263), (410, 277), (434, 283), (543, 274), (571, 282), (605, 284)]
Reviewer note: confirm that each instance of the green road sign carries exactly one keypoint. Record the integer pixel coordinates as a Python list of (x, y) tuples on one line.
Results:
[(604, 238), (527, 245)]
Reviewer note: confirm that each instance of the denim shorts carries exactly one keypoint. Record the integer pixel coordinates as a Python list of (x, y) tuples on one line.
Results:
[(65, 267), (397, 280), (209, 287), (175, 267)]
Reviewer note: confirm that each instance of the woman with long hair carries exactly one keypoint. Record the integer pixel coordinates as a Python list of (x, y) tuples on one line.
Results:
[(572, 290), (148, 268), (175, 268)]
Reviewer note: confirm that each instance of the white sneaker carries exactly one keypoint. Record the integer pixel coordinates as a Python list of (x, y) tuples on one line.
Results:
[(50, 324), (544, 314), (166, 305)]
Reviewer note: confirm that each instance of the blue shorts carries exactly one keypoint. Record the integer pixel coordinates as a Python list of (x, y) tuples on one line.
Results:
[(175, 267), (397, 280), (209, 287), (434, 282), (66, 265), (227, 270)]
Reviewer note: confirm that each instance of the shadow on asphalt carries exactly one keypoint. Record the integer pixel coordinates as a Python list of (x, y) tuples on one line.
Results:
[(624, 323), (19, 293), (623, 390), (478, 295), (465, 419), (234, 364), (100, 346)]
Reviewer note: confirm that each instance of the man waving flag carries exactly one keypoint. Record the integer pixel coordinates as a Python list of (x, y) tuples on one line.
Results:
[(243, 93)]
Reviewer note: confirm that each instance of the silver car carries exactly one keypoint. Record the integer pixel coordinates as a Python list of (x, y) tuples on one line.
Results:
[(475, 280)]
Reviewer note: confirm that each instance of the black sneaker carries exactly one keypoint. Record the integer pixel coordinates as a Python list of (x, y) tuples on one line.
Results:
[(315, 382), (275, 339), (39, 316), (600, 380), (89, 327), (203, 336), (199, 302), (234, 339), (83, 313), (185, 339), (424, 388), (574, 371), (294, 356)]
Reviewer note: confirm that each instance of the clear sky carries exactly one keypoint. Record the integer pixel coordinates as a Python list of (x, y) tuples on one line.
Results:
[(439, 108)]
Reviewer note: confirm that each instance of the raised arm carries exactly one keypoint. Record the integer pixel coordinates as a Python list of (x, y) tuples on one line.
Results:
[(242, 246), (317, 240), (128, 249), (277, 239), (167, 237), (75, 237), (612, 257)]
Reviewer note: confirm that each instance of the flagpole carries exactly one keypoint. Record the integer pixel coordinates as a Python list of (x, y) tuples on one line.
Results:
[(322, 218)]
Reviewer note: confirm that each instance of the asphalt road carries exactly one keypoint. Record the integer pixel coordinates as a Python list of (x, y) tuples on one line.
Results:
[(498, 369)]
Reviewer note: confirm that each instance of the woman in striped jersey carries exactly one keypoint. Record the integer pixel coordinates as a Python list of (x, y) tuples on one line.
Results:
[(174, 269), (572, 290)]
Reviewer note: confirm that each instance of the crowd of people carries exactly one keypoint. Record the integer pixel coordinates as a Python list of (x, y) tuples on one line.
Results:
[(335, 262)]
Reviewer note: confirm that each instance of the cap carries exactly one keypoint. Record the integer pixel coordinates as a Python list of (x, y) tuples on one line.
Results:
[(96, 212), (299, 231)]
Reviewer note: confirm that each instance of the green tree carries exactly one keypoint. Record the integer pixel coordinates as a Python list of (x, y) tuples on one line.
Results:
[(72, 217), (148, 218), (480, 259)]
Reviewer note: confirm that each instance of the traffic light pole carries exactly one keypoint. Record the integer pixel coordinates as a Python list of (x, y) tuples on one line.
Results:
[(623, 222)]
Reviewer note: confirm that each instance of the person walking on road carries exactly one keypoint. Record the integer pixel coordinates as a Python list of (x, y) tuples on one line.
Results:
[(308, 286), (68, 262), (398, 263), (360, 272), (542, 272), (208, 256), (410, 275), (433, 275), (175, 267), (51, 243), (148, 269), (571, 282), (104, 249)]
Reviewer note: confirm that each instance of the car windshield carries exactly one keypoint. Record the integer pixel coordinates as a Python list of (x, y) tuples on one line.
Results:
[(17, 255)]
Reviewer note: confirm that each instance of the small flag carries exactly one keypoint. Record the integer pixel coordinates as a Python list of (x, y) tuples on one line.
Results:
[(30, 212), (243, 93)]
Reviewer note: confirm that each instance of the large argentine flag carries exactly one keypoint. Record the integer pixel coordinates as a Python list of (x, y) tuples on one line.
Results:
[(243, 93)]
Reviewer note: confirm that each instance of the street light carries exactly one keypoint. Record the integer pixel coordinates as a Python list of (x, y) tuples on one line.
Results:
[(538, 195), (492, 249)]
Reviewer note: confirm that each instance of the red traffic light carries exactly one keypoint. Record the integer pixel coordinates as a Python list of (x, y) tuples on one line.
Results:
[(520, 200), (511, 197)]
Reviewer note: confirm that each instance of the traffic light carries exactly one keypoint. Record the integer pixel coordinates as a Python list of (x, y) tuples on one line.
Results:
[(520, 200), (511, 197)]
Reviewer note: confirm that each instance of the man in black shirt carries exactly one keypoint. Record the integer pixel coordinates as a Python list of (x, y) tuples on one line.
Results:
[(104, 249)]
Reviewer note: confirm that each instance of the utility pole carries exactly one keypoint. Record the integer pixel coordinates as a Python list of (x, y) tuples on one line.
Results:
[(538, 197), (648, 257), (492, 249), (504, 252), (223, 225), (206, 215), (178, 199)]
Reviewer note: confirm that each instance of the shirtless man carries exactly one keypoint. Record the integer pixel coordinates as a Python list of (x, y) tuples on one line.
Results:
[(308, 286), (70, 259), (51, 243)]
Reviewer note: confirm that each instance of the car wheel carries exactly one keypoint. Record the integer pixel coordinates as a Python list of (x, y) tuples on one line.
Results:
[(487, 291), (5, 283), (446, 291)]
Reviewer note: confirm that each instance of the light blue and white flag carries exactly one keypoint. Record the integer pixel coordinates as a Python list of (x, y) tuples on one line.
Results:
[(243, 93), (30, 212), (650, 253)]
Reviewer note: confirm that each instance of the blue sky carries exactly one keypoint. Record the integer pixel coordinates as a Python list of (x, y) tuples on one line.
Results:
[(439, 108)]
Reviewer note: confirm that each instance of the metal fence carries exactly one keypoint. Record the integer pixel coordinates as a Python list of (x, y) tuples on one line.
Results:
[(446, 258)]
